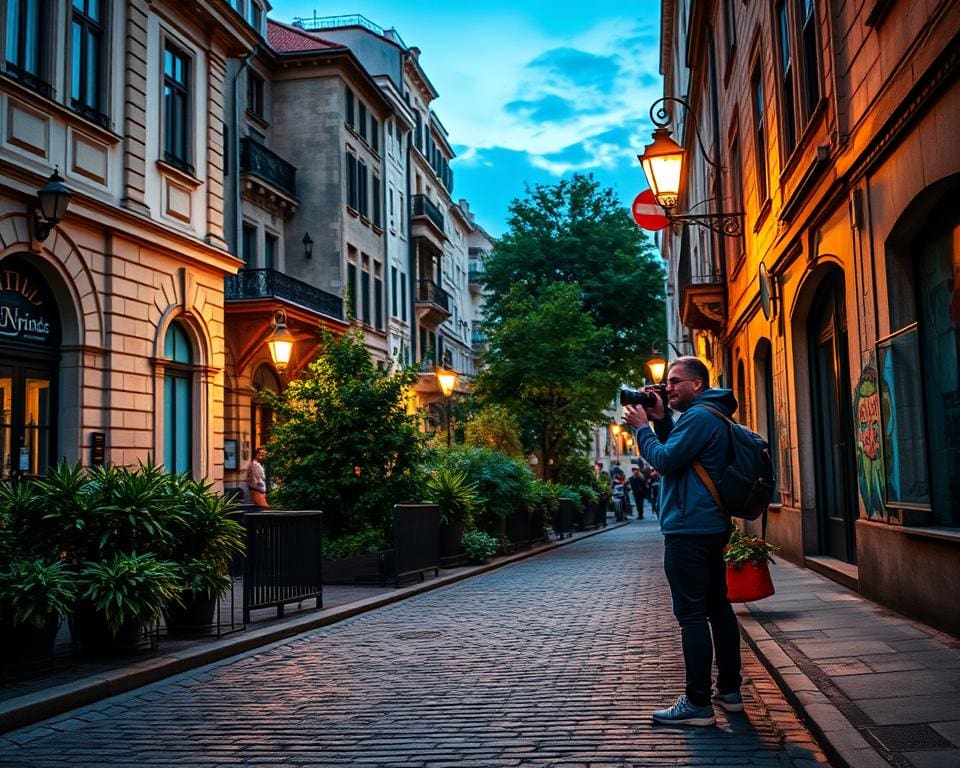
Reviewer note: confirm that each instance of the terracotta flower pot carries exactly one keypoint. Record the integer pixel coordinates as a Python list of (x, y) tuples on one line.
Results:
[(748, 582)]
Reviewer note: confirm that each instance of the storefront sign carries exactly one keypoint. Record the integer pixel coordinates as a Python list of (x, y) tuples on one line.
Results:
[(24, 311)]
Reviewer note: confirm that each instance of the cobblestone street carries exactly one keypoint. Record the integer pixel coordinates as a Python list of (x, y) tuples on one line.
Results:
[(555, 660)]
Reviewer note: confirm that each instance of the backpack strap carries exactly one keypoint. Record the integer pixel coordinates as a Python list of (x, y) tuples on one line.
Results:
[(702, 470), (705, 477)]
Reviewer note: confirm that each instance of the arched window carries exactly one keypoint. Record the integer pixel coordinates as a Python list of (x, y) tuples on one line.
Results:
[(261, 414), (178, 424)]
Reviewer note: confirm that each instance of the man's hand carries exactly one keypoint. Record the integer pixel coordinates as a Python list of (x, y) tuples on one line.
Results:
[(635, 416)]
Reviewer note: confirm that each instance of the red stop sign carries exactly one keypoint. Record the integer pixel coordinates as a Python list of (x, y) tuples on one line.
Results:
[(648, 213)]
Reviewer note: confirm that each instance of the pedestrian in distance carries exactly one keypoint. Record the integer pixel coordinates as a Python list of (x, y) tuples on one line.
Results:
[(695, 532), (256, 478), (638, 486), (620, 503)]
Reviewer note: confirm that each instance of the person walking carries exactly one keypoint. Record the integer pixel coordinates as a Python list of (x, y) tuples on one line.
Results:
[(638, 486), (695, 532), (256, 478)]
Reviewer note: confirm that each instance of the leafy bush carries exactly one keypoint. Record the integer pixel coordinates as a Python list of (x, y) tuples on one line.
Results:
[(360, 543), (344, 442), (503, 482), (479, 546), (546, 496), (454, 494), (130, 588), (33, 590)]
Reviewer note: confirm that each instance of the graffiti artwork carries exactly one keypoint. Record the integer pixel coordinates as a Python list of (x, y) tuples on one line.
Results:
[(866, 406)]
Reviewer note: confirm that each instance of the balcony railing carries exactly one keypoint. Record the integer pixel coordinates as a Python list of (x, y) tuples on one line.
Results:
[(423, 207), (273, 169), (269, 284), (429, 292)]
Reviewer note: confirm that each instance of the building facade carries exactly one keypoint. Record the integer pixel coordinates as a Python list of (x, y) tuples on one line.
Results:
[(113, 341), (834, 315)]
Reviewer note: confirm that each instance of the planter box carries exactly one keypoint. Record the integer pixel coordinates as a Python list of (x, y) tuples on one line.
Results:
[(356, 569)]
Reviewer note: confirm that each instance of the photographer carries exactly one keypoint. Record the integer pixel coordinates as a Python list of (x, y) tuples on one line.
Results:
[(695, 532)]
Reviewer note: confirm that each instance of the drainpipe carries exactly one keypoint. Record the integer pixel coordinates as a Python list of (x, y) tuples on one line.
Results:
[(234, 151)]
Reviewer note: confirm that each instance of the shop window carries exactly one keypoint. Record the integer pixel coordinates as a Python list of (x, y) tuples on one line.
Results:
[(919, 365)]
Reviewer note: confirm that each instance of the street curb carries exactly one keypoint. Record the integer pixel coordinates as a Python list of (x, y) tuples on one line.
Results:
[(841, 741), (34, 707)]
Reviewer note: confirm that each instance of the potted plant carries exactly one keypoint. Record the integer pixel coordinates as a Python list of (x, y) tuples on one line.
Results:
[(203, 541), (457, 498), (748, 575), (34, 596), (119, 597), (479, 546)]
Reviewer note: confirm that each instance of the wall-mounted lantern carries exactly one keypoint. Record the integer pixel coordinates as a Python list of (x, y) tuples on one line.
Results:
[(54, 197), (307, 245)]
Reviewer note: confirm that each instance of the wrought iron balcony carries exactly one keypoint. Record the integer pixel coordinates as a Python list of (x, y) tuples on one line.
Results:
[(259, 161), (422, 206), (432, 303), (250, 284)]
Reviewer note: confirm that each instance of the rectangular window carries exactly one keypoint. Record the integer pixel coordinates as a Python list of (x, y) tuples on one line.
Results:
[(352, 288), (419, 131), (255, 16), (736, 194), (785, 72), (402, 217), (759, 134), (811, 53), (176, 108), (378, 303), (269, 251), (255, 94), (365, 296), (377, 218), (350, 116), (403, 296), (362, 197), (394, 276), (352, 181), (362, 120), (374, 134), (248, 249), (26, 43), (86, 52)]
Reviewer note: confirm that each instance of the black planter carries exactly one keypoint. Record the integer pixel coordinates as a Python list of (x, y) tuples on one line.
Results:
[(90, 631), (368, 568), (195, 615), (450, 537), (25, 643)]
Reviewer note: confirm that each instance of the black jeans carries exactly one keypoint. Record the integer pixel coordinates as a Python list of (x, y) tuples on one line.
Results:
[(697, 576)]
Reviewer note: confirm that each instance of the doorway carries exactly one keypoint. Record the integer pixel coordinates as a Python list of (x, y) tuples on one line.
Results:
[(830, 407)]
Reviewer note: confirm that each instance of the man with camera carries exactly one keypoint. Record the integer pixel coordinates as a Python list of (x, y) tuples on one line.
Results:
[(695, 532)]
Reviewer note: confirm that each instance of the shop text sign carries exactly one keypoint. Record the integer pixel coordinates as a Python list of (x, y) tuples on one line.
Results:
[(23, 315)]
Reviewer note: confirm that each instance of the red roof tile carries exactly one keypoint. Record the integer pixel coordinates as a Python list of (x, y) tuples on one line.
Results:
[(284, 38)]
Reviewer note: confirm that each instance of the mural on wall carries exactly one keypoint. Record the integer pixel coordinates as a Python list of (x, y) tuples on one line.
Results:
[(866, 406), (785, 481)]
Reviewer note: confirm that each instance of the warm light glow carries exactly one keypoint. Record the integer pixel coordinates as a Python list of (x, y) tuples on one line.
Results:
[(615, 428), (657, 367), (662, 163), (280, 342), (447, 380)]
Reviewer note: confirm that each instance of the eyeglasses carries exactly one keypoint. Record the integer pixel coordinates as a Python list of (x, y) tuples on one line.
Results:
[(673, 380)]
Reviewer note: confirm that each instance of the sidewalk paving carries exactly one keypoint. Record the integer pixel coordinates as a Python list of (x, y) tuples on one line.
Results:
[(876, 689)]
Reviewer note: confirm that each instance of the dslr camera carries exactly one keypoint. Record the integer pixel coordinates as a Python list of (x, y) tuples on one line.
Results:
[(646, 397)]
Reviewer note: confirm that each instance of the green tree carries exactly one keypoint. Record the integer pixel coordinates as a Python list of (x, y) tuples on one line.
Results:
[(575, 232), (343, 441), (496, 428), (546, 364)]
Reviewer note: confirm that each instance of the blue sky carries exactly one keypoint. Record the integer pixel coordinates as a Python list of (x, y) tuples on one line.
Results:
[(530, 90)]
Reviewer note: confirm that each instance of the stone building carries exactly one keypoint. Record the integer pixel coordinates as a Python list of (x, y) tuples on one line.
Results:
[(113, 342), (835, 315)]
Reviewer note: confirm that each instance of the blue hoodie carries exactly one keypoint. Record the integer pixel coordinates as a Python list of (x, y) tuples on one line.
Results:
[(686, 506)]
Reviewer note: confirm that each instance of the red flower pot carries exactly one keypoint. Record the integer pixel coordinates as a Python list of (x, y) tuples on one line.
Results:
[(748, 582)]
